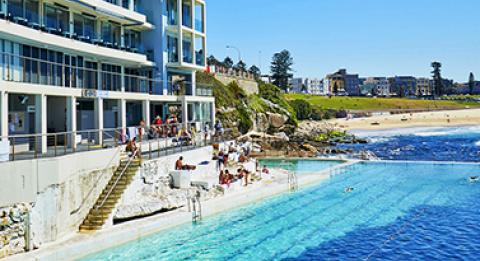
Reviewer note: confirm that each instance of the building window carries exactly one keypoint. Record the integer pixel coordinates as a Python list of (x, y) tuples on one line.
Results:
[(187, 46), (111, 77), (199, 51), (84, 27), (56, 19), (187, 13), (132, 40), (111, 34), (172, 46), (199, 10), (172, 12)]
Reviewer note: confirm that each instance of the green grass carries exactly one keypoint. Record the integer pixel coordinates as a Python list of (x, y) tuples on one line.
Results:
[(372, 104), (463, 96)]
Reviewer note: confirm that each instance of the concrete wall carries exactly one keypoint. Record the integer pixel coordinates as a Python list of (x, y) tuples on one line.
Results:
[(150, 191), (61, 190)]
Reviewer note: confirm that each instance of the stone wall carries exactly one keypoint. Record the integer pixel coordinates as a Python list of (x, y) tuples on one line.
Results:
[(249, 86), (13, 229)]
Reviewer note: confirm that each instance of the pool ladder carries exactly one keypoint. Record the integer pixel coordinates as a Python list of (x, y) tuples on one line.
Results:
[(292, 181), (195, 206)]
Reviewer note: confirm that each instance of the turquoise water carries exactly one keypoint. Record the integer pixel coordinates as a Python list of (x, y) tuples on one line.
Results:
[(397, 211), (300, 166)]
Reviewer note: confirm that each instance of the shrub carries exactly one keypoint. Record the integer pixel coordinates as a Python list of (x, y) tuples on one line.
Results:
[(302, 109)]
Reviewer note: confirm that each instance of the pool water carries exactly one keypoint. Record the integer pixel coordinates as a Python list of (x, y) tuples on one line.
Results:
[(397, 211), (300, 166)]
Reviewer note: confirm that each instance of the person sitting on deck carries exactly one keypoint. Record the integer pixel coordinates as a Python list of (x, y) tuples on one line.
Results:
[(158, 121), (245, 175), (131, 146), (265, 170), (180, 166)]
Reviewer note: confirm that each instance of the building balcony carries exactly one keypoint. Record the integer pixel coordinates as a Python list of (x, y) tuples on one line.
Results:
[(67, 42)]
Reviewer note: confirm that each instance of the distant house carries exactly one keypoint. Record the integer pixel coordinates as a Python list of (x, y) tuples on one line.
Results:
[(341, 83), (375, 86), (424, 87), (312, 86), (403, 86)]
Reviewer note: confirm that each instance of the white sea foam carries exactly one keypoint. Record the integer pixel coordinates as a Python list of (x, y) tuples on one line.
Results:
[(477, 143), (381, 135)]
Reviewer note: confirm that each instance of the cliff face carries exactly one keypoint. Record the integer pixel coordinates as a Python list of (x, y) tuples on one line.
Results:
[(268, 111)]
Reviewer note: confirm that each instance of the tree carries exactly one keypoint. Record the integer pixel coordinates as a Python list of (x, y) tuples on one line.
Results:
[(281, 69), (228, 62), (471, 83), (437, 79), (211, 60), (241, 66), (304, 88), (255, 71), (302, 108)]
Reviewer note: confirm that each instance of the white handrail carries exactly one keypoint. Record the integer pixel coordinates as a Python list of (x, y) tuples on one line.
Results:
[(117, 180)]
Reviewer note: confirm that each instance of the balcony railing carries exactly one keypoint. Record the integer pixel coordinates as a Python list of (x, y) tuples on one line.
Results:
[(23, 69), (167, 139), (63, 31)]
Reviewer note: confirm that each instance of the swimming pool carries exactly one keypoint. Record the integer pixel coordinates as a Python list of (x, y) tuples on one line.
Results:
[(300, 165), (397, 211)]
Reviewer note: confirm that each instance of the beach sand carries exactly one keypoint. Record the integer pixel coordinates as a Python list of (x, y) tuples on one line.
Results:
[(448, 118)]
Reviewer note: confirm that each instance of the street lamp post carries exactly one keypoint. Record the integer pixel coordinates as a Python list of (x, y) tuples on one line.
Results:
[(237, 49)]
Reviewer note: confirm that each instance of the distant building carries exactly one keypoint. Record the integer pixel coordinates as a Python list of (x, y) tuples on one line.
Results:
[(296, 85), (464, 88), (424, 87), (341, 83), (403, 86), (375, 86), (312, 86)]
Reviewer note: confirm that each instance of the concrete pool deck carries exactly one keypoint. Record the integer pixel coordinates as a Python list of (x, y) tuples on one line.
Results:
[(81, 245)]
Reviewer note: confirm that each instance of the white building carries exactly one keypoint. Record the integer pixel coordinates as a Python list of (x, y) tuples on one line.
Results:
[(379, 86), (72, 66), (312, 86)]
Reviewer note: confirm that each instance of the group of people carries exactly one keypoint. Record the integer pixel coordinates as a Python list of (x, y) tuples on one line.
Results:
[(236, 154), (160, 129)]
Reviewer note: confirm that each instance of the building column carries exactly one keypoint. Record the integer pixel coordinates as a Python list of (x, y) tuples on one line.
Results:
[(131, 5), (41, 121), (98, 114), (212, 114), (122, 78), (146, 112), (72, 119), (184, 112), (3, 113), (122, 113), (194, 83)]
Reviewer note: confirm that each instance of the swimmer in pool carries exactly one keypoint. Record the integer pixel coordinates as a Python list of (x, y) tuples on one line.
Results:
[(474, 179), (348, 189)]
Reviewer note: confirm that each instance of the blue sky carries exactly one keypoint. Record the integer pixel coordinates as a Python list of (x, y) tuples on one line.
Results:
[(369, 37)]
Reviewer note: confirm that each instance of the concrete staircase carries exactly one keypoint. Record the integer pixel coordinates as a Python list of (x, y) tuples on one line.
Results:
[(99, 214)]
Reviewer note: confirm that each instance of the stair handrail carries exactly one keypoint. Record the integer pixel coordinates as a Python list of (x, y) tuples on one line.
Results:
[(119, 149), (129, 162)]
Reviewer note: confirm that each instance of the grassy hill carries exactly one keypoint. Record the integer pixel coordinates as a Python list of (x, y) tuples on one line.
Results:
[(377, 104)]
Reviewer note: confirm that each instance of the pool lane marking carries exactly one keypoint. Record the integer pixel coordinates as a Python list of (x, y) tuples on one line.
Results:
[(397, 233), (341, 217), (314, 215)]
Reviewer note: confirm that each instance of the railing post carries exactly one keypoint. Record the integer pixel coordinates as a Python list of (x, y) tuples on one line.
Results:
[(88, 140), (55, 143), (158, 147), (13, 148), (65, 144), (149, 149), (35, 147)]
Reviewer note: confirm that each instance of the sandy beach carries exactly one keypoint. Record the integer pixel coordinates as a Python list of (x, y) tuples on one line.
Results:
[(427, 119)]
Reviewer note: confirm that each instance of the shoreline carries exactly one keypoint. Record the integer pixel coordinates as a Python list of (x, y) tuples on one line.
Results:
[(449, 118), (82, 245)]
